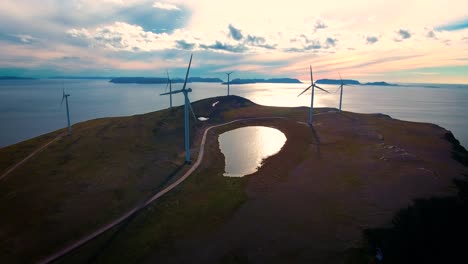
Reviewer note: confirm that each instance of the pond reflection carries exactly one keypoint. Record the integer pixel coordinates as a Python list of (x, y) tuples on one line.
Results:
[(245, 148)]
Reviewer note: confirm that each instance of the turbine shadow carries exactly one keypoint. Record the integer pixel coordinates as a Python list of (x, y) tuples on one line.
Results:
[(317, 142)]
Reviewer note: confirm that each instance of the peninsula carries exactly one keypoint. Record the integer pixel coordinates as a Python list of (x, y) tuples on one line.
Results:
[(352, 82), (310, 203)]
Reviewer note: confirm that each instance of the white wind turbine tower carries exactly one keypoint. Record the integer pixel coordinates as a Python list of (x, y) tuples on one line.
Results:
[(65, 97), (313, 86), (187, 105), (228, 74), (169, 83)]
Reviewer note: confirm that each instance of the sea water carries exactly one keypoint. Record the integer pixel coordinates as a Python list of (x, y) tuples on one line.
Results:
[(29, 108)]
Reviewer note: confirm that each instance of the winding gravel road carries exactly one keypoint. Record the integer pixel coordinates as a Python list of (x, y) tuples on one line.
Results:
[(133, 211)]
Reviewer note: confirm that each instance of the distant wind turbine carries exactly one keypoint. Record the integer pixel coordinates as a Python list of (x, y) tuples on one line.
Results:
[(186, 112), (341, 91), (313, 86), (169, 83), (228, 74), (65, 97)]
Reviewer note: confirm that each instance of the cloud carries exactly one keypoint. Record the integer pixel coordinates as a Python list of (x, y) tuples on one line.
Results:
[(165, 6), (371, 39), (112, 33), (454, 26), (257, 41), (25, 38), (307, 45), (182, 44), (224, 47), (319, 25), (431, 34), (254, 40), (235, 33), (70, 58), (331, 42), (122, 36), (402, 34), (314, 46), (18, 38)]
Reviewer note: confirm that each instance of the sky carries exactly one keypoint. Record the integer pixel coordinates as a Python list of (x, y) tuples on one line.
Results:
[(369, 40)]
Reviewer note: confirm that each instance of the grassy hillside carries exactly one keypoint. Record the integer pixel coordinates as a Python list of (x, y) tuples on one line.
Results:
[(309, 203)]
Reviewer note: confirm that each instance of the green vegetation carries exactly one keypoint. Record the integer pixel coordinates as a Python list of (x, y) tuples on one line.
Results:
[(208, 199), (105, 168), (85, 180), (12, 154)]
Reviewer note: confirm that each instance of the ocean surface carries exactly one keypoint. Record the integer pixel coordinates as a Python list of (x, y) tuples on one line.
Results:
[(29, 108)]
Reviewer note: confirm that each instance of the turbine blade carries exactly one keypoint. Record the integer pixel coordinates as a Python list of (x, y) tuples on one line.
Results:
[(188, 70), (63, 96), (305, 90), (321, 89), (311, 76), (341, 79), (168, 81), (173, 92)]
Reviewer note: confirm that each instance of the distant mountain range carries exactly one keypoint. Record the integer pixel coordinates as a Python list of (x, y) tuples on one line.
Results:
[(353, 82), (163, 80), (159, 80), (274, 80)]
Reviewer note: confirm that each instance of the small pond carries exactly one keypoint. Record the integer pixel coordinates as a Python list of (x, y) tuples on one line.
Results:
[(245, 148)]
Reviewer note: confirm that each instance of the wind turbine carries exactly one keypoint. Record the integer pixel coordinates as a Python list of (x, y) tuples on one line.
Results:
[(313, 86), (187, 105), (65, 97), (228, 74), (169, 83), (341, 91)]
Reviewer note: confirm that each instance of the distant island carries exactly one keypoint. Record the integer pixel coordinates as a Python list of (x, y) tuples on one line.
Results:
[(81, 77), (380, 84), (15, 78), (159, 80), (332, 81), (353, 82), (274, 80)]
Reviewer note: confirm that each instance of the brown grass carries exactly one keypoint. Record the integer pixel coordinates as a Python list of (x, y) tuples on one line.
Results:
[(306, 204)]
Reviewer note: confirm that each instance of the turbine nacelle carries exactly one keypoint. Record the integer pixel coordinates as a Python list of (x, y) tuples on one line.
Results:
[(316, 86), (65, 97), (189, 90), (313, 85)]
